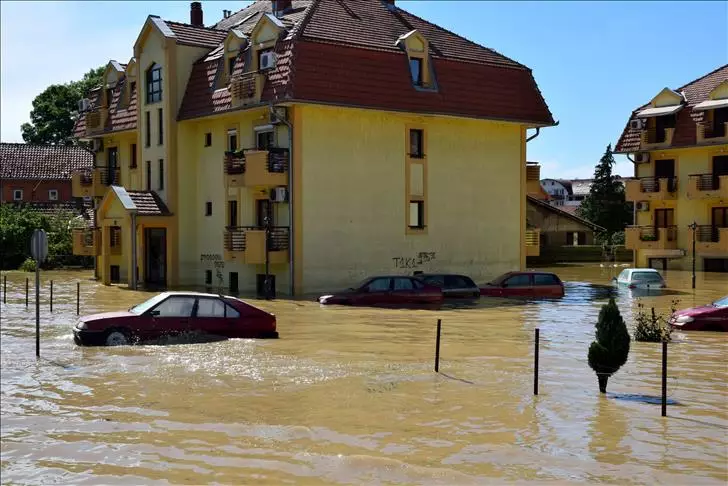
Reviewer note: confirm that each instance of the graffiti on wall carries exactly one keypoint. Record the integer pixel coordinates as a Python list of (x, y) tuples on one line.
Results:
[(416, 261), (218, 264)]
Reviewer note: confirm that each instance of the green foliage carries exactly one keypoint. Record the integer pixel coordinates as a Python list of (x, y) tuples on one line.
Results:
[(652, 327), (605, 205), (611, 348), (52, 117), (28, 265)]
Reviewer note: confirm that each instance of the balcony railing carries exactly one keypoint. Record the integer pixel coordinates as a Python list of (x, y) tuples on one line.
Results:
[(653, 136), (96, 120), (708, 131), (707, 234), (651, 238), (706, 186), (246, 88), (711, 239), (255, 167), (651, 188), (655, 184), (234, 164), (249, 242)]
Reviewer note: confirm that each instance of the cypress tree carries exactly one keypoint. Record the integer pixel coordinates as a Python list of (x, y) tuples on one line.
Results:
[(609, 352)]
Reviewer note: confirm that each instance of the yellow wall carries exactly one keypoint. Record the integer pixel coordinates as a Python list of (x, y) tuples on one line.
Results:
[(353, 182)]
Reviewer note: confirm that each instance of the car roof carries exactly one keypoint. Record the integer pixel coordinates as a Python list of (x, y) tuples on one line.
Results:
[(390, 276), (441, 275), (194, 294)]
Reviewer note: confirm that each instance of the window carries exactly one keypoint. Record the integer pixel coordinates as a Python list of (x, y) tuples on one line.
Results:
[(232, 213), (132, 88), (378, 285), (232, 138), (208, 208), (161, 126), (115, 236), (208, 139), (264, 140), (161, 174), (403, 284), (176, 307), (458, 282), (154, 84), (519, 281), (109, 96), (133, 156), (231, 65), (233, 282), (53, 195), (149, 175), (545, 279), (208, 277), (17, 195), (437, 280), (417, 214), (215, 308), (416, 144), (147, 129), (416, 70)]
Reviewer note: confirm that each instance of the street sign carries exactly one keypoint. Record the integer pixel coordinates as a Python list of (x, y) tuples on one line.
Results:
[(39, 245)]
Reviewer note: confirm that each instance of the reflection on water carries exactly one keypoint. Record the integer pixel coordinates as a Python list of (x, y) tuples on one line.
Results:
[(348, 396)]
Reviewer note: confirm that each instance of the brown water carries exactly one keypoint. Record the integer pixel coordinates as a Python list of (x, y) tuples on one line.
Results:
[(349, 396)]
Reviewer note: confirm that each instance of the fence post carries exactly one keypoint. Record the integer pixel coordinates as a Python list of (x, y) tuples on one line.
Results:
[(26, 292), (535, 362), (5, 289), (78, 298), (664, 378), (437, 346), (51, 295)]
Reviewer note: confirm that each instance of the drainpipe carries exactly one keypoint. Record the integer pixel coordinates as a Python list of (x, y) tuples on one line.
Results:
[(634, 217), (291, 226), (538, 132), (134, 276)]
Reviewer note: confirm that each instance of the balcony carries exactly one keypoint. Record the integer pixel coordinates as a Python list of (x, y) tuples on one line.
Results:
[(257, 168), (707, 186), (651, 238), (533, 240), (651, 189), (651, 138), (707, 132), (93, 183), (246, 89), (86, 242), (246, 244), (710, 239), (96, 121)]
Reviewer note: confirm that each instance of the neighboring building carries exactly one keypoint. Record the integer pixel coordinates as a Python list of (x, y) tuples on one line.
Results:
[(40, 175), (568, 194), (557, 227), (679, 145), (369, 139)]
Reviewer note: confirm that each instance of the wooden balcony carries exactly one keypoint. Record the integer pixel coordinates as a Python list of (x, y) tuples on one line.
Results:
[(246, 89), (94, 183), (651, 189), (247, 244), (650, 238), (86, 242), (533, 242), (651, 138), (707, 186), (96, 121), (257, 168), (710, 240), (707, 132)]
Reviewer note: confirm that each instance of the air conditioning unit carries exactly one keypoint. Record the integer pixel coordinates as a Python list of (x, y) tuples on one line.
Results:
[(641, 158), (637, 124), (84, 104), (279, 194), (267, 61), (97, 145), (643, 206)]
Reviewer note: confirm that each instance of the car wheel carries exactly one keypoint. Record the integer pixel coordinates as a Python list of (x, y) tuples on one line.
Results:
[(117, 337)]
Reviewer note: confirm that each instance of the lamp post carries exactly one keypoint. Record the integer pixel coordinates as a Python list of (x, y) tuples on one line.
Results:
[(694, 227), (266, 222)]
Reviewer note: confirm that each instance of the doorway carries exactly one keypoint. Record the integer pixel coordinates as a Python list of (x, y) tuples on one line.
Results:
[(657, 263), (720, 168), (665, 169), (111, 164), (155, 257), (263, 208), (665, 218)]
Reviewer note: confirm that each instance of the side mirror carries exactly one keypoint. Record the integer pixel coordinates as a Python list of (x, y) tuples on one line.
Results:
[(504, 285)]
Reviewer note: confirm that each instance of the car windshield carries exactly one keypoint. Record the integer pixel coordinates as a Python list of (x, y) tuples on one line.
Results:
[(140, 309), (646, 277), (721, 302)]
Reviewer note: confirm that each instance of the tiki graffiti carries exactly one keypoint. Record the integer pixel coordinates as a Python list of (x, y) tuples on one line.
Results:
[(416, 261)]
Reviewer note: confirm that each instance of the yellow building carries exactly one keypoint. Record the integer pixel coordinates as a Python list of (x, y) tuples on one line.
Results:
[(679, 145), (330, 140)]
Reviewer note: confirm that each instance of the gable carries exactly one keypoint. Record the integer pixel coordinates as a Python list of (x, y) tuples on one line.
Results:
[(267, 29), (666, 97), (413, 41), (719, 92)]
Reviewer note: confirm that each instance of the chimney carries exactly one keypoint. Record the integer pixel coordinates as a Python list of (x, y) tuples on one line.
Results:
[(196, 14), (280, 6), (389, 3), (226, 14)]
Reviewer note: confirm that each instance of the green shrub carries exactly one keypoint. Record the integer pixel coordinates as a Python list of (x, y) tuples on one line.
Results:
[(609, 352), (652, 327), (28, 265)]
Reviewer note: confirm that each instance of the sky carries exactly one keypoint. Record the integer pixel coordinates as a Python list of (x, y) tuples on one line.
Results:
[(594, 62)]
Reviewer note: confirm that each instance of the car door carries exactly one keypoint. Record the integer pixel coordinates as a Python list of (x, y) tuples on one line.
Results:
[(377, 291), (211, 318), (458, 287), (518, 285), (172, 315), (403, 291), (546, 284)]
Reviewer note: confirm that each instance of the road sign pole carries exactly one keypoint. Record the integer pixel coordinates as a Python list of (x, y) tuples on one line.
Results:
[(39, 250), (37, 310)]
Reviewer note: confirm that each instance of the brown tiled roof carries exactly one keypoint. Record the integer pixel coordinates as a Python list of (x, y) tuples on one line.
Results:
[(196, 36), (559, 211), (148, 203), (53, 162), (122, 115), (685, 128)]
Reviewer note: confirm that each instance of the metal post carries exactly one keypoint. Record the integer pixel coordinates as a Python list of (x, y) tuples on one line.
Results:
[(78, 298), (664, 378), (51, 295), (134, 268), (267, 222), (5, 289), (694, 227), (535, 362), (26, 292), (437, 346), (37, 309)]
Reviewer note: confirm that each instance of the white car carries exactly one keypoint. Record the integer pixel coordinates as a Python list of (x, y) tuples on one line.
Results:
[(641, 278)]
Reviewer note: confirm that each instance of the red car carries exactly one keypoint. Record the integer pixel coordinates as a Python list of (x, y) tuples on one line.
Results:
[(171, 313), (387, 290), (711, 317), (524, 284)]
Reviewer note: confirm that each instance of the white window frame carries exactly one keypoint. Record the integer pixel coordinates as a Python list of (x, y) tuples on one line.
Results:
[(53, 194), (15, 194)]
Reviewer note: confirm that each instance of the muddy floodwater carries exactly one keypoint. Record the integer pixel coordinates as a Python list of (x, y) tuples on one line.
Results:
[(349, 396)]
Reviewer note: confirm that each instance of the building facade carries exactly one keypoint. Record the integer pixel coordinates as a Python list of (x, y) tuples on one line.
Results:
[(313, 140), (679, 145)]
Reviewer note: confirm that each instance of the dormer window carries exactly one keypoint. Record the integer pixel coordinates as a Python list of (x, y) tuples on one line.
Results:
[(109, 96), (231, 65), (417, 49), (416, 70), (154, 83)]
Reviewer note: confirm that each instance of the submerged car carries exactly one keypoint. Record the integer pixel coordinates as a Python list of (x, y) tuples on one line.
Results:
[(386, 290), (711, 317), (640, 278), (174, 313), (453, 286), (524, 284)]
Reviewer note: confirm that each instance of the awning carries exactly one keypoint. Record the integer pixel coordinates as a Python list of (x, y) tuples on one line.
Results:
[(711, 105), (661, 111)]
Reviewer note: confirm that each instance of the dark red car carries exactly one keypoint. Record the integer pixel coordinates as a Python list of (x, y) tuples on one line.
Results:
[(711, 317), (386, 290), (524, 284), (172, 313)]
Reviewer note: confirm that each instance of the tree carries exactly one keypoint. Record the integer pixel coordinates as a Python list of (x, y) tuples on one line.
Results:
[(51, 120), (609, 352), (605, 205)]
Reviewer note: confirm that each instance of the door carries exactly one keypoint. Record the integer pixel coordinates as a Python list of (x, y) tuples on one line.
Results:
[(518, 285), (665, 169), (375, 292), (665, 218), (403, 291), (213, 316), (155, 256), (111, 164), (172, 315), (546, 284), (718, 219), (232, 214), (720, 168), (720, 118), (459, 287), (263, 209), (661, 123)]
